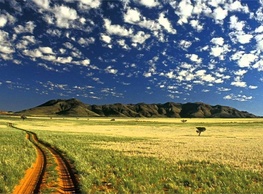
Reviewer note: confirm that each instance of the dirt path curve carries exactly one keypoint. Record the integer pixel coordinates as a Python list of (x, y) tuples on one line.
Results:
[(66, 183)]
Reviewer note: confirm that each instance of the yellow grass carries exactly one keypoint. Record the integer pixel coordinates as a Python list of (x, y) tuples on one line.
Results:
[(171, 140)]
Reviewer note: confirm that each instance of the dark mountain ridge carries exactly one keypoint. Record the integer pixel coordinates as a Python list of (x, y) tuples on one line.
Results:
[(74, 107)]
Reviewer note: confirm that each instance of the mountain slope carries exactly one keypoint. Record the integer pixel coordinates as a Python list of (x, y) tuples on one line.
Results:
[(74, 107)]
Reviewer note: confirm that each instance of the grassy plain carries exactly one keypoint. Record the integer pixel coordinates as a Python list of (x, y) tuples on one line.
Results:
[(158, 155), (16, 155)]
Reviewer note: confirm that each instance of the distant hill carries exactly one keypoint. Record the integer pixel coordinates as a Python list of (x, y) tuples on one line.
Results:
[(76, 108)]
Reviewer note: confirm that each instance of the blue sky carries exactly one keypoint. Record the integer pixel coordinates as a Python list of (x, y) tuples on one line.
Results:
[(131, 51)]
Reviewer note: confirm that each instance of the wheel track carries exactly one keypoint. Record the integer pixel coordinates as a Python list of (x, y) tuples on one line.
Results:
[(67, 182)]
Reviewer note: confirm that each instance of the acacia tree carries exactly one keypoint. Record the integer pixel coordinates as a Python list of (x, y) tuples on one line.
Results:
[(199, 130)]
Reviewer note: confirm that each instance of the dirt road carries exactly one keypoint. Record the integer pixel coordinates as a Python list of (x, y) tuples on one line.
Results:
[(34, 178)]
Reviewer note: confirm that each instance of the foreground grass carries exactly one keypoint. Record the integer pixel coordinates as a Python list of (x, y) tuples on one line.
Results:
[(113, 171), (159, 155), (16, 155)]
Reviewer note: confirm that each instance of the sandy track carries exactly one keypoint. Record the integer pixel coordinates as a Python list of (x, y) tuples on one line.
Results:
[(67, 182)]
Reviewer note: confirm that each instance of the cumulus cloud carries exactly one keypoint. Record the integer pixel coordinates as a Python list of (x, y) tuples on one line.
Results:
[(140, 37), (185, 44), (196, 25), (64, 60), (148, 3), (219, 14), (163, 21), (46, 50), (44, 4), (238, 97), (252, 87), (111, 70), (3, 21), (240, 72), (246, 60), (194, 58), (116, 29), (235, 24), (244, 38), (106, 38), (258, 65), (222, 89), (184, 11), (32, 53), (28, 28), (64, 15), (132, 16), (241, 84), (218, 41), (89, 4)]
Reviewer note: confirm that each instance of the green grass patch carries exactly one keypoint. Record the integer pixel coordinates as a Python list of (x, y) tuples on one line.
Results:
[(112, 171), (17, 154)]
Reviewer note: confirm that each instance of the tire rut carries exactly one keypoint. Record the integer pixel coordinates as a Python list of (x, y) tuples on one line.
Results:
[(31, 183)]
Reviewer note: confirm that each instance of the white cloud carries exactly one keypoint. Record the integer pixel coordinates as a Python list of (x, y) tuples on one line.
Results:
[(246, 60), (237, 55), (111, 70), (32, 53), (259, 39), (140, 37), (64, 15), (258, 65), (237, 6), (170, 75), (244, 38), (148, 3), (85, 62), (185, 44), (64, 59), (216, 51), (184, 11), (42, 3), (252, 87), (147, 74), (46, 50), (49, 58), (239, 84), (116, 29), (194, 58), (259, 29), (238, 97), (219, 51), (235, 24), (219, 14), (28, 28), (6, 49), (222, 89), (3, 21), (86, 41), (240, 72), (106, 38), (163, 21), (132, 16), (196, 25), (218, 41), (87, 4)]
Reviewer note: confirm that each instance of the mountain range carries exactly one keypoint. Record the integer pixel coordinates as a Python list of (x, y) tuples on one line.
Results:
[(73, 107)]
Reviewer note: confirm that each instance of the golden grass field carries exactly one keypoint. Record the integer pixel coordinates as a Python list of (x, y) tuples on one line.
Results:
[(237, 142)]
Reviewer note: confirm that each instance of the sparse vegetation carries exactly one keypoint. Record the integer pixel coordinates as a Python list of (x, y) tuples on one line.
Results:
[(159, 155), (17, 155), (23, 117), (199, 130)]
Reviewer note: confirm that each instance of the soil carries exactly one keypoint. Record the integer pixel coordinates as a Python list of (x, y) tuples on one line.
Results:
[(35, 179)]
